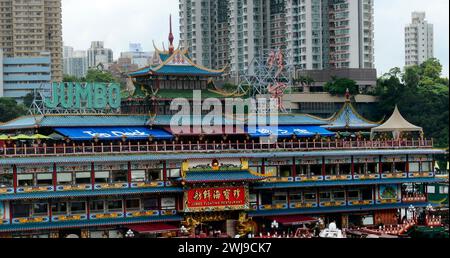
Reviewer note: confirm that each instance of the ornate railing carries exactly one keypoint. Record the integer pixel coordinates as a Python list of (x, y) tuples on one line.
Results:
[(164, 147)]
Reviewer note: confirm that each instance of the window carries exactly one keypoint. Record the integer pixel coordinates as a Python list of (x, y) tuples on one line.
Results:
[(414, 166), (173, 173), (21, 210), (59, 208), (78, 207), (25, 180), (325, 197), (280, 198), (83, 178), (138, 176), (101, 177), (6, 180), (45, 179), (40, 209), (353, 195), (133, 205), (156, 174), (120, 176), (338, 196), (168, 203), (310, 197), (296, 197), (150, 204), (115, 205), (97, 206), (443, 190), (64, 178)]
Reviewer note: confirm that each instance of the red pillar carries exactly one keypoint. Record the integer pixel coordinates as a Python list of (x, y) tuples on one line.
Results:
[(407, 166), (263, 167), (50, 213), (323, 168), (93, 175), (88, 208), (124, 207), (381, 167), (294, 169), (55, 177), (129, 174), (165, 173), (353, 167), (289, 199), (15, 178)]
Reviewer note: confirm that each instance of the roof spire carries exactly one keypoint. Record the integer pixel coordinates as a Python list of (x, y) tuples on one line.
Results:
[(347, 95), (171, 37)]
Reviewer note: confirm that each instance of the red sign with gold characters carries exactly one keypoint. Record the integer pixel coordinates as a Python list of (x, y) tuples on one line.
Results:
[(212, 199)]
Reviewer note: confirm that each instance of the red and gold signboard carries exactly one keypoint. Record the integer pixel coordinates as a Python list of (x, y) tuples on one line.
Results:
[(216, 199)]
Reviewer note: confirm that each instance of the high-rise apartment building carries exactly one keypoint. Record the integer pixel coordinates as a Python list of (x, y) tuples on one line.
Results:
[(75, 62), (316, 34), (98, 55), (137, 55), (419, 42), (30, 27)]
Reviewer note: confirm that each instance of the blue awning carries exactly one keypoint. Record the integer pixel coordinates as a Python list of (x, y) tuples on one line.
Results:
[(288, 131), (113, 133)]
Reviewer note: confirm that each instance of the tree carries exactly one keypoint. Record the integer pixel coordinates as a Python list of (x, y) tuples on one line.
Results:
[(94, 75), (9, 109), (339, 86), (70, 78), (28, 99), (421, 95)]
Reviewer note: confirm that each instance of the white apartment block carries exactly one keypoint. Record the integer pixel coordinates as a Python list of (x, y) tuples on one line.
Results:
[(98, 55), (419, 42), (1, 73), (75, 62), (317, 34), (30, 27)]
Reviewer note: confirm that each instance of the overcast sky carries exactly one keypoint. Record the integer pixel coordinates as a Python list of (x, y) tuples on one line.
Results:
[(118, 23)]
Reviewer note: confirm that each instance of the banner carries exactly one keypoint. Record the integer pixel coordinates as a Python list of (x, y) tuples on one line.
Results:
[(213, 199)]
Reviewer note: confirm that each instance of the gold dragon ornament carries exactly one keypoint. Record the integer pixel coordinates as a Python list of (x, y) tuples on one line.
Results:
[(245, 225)]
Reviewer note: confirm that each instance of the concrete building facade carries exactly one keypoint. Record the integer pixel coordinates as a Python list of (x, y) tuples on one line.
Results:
[(28, 28), (75, 62), (137, 55), (98, 55), (419, 40), (22, 75), (316, 34)]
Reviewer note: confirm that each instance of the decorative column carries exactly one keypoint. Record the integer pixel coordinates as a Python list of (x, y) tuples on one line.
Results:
[(129, 175), (263, 167), (55, 177), (15, 178), (88, 208), (353, 167), (380, 167), (93, 175), (165, 172), (294, 169), (407, 166), (323, 168)]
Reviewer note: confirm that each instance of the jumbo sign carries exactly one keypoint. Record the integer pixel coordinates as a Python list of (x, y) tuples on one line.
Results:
[(69, 95)]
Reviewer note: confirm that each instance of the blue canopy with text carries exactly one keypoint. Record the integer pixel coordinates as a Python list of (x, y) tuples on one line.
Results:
[(288, 131), (113, 133)]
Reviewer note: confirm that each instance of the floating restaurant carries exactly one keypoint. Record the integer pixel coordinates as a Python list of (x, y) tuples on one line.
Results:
[(121, 170)]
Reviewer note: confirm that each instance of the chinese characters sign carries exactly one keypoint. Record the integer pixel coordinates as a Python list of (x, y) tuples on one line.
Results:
[(211, 199)]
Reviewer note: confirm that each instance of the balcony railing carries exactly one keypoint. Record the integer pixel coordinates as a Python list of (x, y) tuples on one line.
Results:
[(164, 147)]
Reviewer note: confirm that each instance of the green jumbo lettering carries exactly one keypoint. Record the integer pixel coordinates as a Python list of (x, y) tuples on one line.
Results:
[(71, 95)]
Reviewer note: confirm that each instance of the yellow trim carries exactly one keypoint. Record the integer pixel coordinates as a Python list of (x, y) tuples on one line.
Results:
[(352, 108)]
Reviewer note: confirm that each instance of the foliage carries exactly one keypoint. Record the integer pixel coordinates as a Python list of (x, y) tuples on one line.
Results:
[(339, 86), (9, 109), (93, 75), (421, 95), (28, 99)]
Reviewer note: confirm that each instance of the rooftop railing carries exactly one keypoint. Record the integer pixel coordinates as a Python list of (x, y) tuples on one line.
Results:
[(202, 147)]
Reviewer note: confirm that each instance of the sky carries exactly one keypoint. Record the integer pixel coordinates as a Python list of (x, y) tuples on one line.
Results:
[(118, 23)]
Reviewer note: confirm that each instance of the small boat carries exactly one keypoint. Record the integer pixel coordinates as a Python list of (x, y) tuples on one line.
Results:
[(331, 232)]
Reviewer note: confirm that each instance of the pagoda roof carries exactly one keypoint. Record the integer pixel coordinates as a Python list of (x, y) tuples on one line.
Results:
[(178, 63), (349, 118)]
